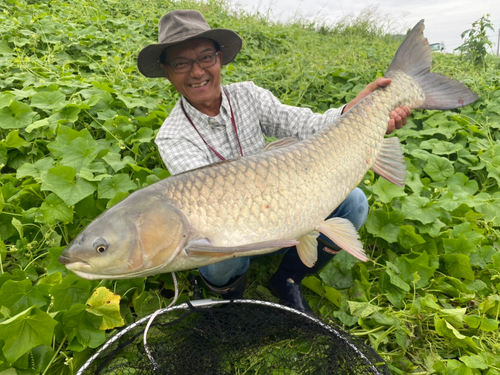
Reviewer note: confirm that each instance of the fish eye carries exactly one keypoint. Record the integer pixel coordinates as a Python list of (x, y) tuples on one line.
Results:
[(100, 245)]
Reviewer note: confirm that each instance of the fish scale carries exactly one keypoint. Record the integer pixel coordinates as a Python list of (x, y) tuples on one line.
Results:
[(279, 198)]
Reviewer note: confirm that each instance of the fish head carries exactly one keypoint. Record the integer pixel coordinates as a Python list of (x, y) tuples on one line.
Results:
[(137, 237)]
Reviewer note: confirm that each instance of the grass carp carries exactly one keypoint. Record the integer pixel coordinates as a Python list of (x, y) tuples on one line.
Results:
[(279, 198)]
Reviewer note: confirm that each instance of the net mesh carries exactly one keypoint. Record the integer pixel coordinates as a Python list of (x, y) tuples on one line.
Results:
[(241, 337)]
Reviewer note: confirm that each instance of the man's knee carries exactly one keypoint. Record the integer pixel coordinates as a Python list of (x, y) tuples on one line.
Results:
[(354, 208)]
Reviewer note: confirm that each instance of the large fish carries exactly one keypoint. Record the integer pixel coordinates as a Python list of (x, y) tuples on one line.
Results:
[(279, 198)]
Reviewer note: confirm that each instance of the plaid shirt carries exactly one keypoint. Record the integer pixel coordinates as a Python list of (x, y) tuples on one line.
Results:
[(256, 111)]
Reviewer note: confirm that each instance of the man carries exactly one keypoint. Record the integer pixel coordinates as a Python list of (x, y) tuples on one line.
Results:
[(211, 123)]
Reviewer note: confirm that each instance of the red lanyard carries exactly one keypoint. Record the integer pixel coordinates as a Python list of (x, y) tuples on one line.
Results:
[(203, 139)]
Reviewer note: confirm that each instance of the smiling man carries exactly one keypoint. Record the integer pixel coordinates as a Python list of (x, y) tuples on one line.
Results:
[(213, 122)]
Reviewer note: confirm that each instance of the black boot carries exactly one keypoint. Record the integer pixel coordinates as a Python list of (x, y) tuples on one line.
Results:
[(234, 289), (286, 283)]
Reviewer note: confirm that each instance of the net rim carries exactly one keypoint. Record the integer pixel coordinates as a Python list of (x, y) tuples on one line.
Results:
[(209, 303)]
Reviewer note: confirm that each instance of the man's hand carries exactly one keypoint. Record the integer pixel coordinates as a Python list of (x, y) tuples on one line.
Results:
[(399, 116)]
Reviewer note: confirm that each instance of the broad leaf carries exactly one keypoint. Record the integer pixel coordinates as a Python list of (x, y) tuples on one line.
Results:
[(385, 224), (105, 303), (16, 116), (63, 182), (438, 168), (26, 330), (72, 290), (54, 209)]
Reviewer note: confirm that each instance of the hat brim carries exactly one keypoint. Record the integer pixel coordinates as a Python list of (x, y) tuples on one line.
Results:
[(148, 60)]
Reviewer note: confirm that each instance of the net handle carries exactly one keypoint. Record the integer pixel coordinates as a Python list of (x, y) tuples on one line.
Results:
[(150, 321)]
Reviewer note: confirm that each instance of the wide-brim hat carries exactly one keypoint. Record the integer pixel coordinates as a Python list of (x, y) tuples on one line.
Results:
[(178, 26)]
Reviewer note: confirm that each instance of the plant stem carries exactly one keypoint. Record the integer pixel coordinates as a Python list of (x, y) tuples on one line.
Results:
[(55, 355)]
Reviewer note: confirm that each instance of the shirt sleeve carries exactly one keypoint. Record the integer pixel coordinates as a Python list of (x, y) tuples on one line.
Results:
[(280, 120)]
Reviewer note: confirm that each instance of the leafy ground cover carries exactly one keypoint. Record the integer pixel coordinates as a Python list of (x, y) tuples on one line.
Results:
[(77, 123)]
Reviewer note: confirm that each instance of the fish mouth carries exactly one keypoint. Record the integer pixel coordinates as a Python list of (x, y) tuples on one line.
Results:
[(66, 261)]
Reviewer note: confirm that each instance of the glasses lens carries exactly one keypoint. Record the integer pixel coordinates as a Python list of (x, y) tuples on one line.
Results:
[(184, 66), (181, 66), (207, 60)]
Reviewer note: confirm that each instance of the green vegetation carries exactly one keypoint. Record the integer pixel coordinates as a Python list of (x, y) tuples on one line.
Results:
[(77, 123), (476, 41)]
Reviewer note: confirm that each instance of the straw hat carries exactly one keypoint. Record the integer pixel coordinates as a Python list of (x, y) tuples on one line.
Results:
[(181, 25)]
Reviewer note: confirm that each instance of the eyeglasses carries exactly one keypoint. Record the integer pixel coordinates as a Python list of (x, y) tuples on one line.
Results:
[(185, 65)]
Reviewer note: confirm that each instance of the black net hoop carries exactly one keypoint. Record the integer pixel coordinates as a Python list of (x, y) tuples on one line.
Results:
[(208, 337)]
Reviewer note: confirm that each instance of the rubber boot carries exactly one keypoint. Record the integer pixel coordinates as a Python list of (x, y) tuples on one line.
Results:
[(286, 283), (234, 289)]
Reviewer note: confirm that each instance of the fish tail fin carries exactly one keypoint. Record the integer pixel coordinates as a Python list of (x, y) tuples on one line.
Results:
[(414, 58)]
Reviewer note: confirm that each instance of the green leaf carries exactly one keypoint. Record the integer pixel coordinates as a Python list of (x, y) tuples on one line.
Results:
[(313, 283), (489, 206), (458, 265), (457, 245), (451, 201), (489, 325), (446, 148), (74, 149), (35, 170), (385, 224), (105, 303), (446, 128), (18, 296), (445, 329), (72, 290), (110, 187), (420, 264), (83, 326), (362, 309), (413, 178), (433, 229), (114, 160), (420, 208), (408, 238), (4, 47), (338, 272), (333, 295), (460, 183), (16, 116), (491, 306), (26, 330), (387, 191), (63, 182), (54, 209), (474, 361), (393, 285), (438, 168), (13, 140), (48, 100), (473, 321)]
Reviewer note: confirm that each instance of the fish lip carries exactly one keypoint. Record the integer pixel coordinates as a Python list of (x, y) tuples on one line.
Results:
[(66, 260)]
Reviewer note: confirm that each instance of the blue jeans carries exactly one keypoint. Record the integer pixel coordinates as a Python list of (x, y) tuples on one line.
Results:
[(354, 208)]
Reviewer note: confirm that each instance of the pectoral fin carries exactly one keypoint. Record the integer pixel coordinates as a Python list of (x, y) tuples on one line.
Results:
[(390, 163), (308, 249), (342, 232), (203, 247)]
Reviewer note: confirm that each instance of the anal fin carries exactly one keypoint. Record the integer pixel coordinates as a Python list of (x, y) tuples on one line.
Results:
[(308, 249), (390, 163), (343, 234)]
